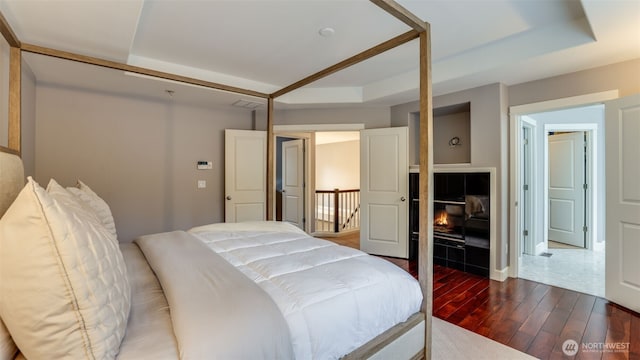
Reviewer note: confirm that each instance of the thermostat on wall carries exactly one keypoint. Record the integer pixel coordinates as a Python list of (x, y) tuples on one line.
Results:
[(205, 165)]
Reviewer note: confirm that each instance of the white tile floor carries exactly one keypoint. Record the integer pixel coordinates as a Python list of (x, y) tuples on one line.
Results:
[(575, 269)]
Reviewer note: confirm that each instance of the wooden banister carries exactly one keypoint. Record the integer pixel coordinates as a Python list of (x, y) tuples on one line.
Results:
[(338, 210)]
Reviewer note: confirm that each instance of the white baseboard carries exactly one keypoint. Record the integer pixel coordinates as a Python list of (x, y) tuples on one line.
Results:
[(500, 275), (513, 272)]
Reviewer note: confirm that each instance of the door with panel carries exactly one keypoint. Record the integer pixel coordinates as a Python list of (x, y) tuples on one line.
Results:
[(622, 131), (566, 190), (293, 182), (384, 185), (245, 175)]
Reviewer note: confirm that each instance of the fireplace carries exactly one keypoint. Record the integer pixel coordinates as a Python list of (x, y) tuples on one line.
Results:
[(461, 222), (448, 219), (461, 230)]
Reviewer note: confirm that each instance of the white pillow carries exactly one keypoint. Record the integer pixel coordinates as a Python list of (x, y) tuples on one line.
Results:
[(99, 206), (73, 202), (64, 291)]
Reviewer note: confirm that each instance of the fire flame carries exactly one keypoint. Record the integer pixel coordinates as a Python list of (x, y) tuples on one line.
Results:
[(441, 219)]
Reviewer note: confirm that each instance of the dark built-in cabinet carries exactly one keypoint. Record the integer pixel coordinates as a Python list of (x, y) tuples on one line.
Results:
[(461, 230)]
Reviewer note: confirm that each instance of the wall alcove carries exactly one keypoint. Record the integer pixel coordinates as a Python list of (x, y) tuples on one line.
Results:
[(451, 135)]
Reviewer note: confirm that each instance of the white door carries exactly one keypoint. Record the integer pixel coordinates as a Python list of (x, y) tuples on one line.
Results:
[(622, 244), (293, 182), (566, 188), (245, 165), (384, 183)]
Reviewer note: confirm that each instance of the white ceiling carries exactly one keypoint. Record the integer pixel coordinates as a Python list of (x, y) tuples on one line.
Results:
[(265, 45), (56, 72)]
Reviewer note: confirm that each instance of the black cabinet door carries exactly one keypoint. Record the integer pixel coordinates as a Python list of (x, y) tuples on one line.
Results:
[(477, 256), (456, 254), (439, 251)]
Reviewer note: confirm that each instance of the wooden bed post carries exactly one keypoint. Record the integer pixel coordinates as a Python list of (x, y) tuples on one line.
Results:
[(425, 258), (15, 100), (270, 157), (425, 243), (15, 73)]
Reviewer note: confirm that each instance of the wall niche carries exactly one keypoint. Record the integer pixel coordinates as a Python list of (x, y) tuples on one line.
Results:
[(451, 135)]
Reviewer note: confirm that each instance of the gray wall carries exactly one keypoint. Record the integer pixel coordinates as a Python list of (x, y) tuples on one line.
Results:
[(490, 122), (371, 117), (28, 120), (447, 127), (139, 155), (624, 76), (489, 148), (488, 144)]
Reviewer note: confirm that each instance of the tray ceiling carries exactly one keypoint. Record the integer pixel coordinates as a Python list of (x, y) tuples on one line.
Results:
[(264, 45)]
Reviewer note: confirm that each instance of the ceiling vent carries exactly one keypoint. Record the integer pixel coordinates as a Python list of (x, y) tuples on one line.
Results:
[(247, 104)]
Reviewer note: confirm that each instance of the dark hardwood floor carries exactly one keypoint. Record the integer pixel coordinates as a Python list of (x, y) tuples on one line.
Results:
[(531, 317)]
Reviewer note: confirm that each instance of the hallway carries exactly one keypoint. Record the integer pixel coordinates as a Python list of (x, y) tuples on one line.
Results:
[(575, 269)]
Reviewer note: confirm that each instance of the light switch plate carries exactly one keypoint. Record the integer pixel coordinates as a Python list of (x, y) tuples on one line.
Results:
[(202, 184)]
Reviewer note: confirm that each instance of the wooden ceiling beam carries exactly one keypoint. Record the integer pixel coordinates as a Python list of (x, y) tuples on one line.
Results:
[(138, 70), (402, 14), (367, 54), (7, 32)]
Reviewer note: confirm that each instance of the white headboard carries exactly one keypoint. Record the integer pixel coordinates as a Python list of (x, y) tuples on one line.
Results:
[(11, 179)]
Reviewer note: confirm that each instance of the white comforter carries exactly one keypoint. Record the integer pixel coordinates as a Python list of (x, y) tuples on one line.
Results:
[(333, 298), (217, 313)]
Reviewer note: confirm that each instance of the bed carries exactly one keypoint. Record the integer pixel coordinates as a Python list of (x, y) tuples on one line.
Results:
[(221, 291)]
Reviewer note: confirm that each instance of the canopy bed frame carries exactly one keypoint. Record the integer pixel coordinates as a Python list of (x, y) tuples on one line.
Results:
[(419, 30)]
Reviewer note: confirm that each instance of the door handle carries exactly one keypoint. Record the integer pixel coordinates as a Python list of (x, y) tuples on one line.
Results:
[(402, 199), (284, 191), (228, 197)]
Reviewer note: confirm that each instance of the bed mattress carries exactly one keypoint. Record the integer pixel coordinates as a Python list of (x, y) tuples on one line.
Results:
[(333, 298)]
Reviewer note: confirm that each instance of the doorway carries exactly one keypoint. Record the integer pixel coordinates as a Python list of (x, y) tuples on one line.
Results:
[(538, 206), (326, 150), (337, 182), (570, 257)]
